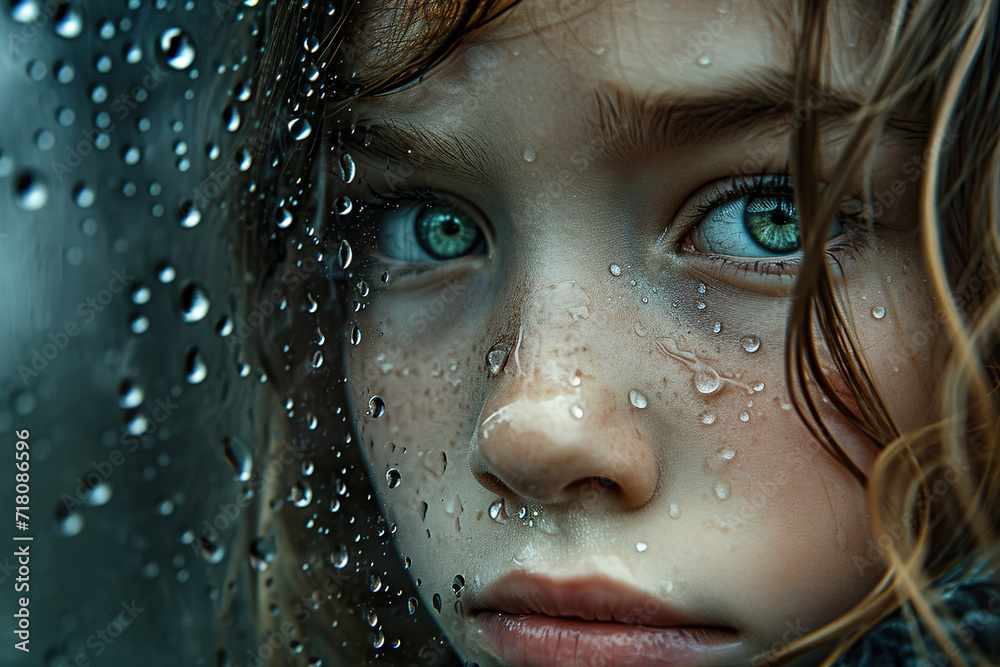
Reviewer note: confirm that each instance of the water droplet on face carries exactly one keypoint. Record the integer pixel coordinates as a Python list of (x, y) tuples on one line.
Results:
[(30, 192), (436, 602), (69, 23), (498, 511), (345, 254), (376, 407), (496, 358), (300, 128), (576, 411), (727, 454), (177, 47), (529, 154), (701, 305), (705, 59), (457, 584), (355, 336), (195, 369), (759, 386), (750, 343), (638, 399), (722, 490), (393, 478), (707, 418), (641, 547), (701, 288), (615, 270), (878, 312), (674, 511), (744, 416), (706, 380), (194, 303), (347, 168), (717, 327)]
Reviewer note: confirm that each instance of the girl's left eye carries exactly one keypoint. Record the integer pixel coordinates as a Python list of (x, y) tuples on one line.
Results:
[(429, 231), (760, 224)]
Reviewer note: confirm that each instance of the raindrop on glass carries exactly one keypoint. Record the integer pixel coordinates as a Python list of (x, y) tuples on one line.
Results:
[(189, 215), (30, 192), (166, 274), (284, 218), (177, 47), (343, 205), (347, 168), (457, 584), (25, 11), (139, 324), (83, 196), (345, 254), (376, 407), (69, 23), (301, 494), (262, 552), (339, 557), (239, 458), (195, 369), (393, 478), (130, 395), (355, 336), (436, 602), (231, 118), (705, 59), (194, 303), (300, 128)]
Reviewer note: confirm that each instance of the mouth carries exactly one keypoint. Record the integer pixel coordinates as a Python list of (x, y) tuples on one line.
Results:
[(528, 620)]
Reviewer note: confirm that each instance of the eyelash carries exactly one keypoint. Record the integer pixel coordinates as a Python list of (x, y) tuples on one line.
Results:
[(855, 226)]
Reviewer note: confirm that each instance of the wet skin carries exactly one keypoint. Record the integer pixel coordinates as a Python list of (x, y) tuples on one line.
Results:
[(596, 387)]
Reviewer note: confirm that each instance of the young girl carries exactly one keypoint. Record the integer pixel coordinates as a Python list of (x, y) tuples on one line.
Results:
[(639, 333)]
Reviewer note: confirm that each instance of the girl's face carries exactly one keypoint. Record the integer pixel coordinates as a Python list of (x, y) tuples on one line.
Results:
[(577, 282)]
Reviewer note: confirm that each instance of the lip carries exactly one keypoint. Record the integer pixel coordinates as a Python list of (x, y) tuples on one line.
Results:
[(529, 620)]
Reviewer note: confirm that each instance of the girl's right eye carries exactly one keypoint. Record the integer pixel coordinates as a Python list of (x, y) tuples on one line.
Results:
[(429, 232)]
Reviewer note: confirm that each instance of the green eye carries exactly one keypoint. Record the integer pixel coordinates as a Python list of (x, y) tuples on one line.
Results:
[(445, 232), (773, 222)]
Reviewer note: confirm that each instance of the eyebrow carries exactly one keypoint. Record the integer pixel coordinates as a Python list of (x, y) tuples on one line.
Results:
[(628, 123)]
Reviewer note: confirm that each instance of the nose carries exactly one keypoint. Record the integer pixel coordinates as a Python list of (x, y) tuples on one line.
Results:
[(558, 425)]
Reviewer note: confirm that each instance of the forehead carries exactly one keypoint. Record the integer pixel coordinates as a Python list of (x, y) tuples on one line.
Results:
[(648, 46)]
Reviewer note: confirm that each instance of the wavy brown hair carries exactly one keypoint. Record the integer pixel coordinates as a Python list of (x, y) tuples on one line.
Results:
[(941, 57)]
